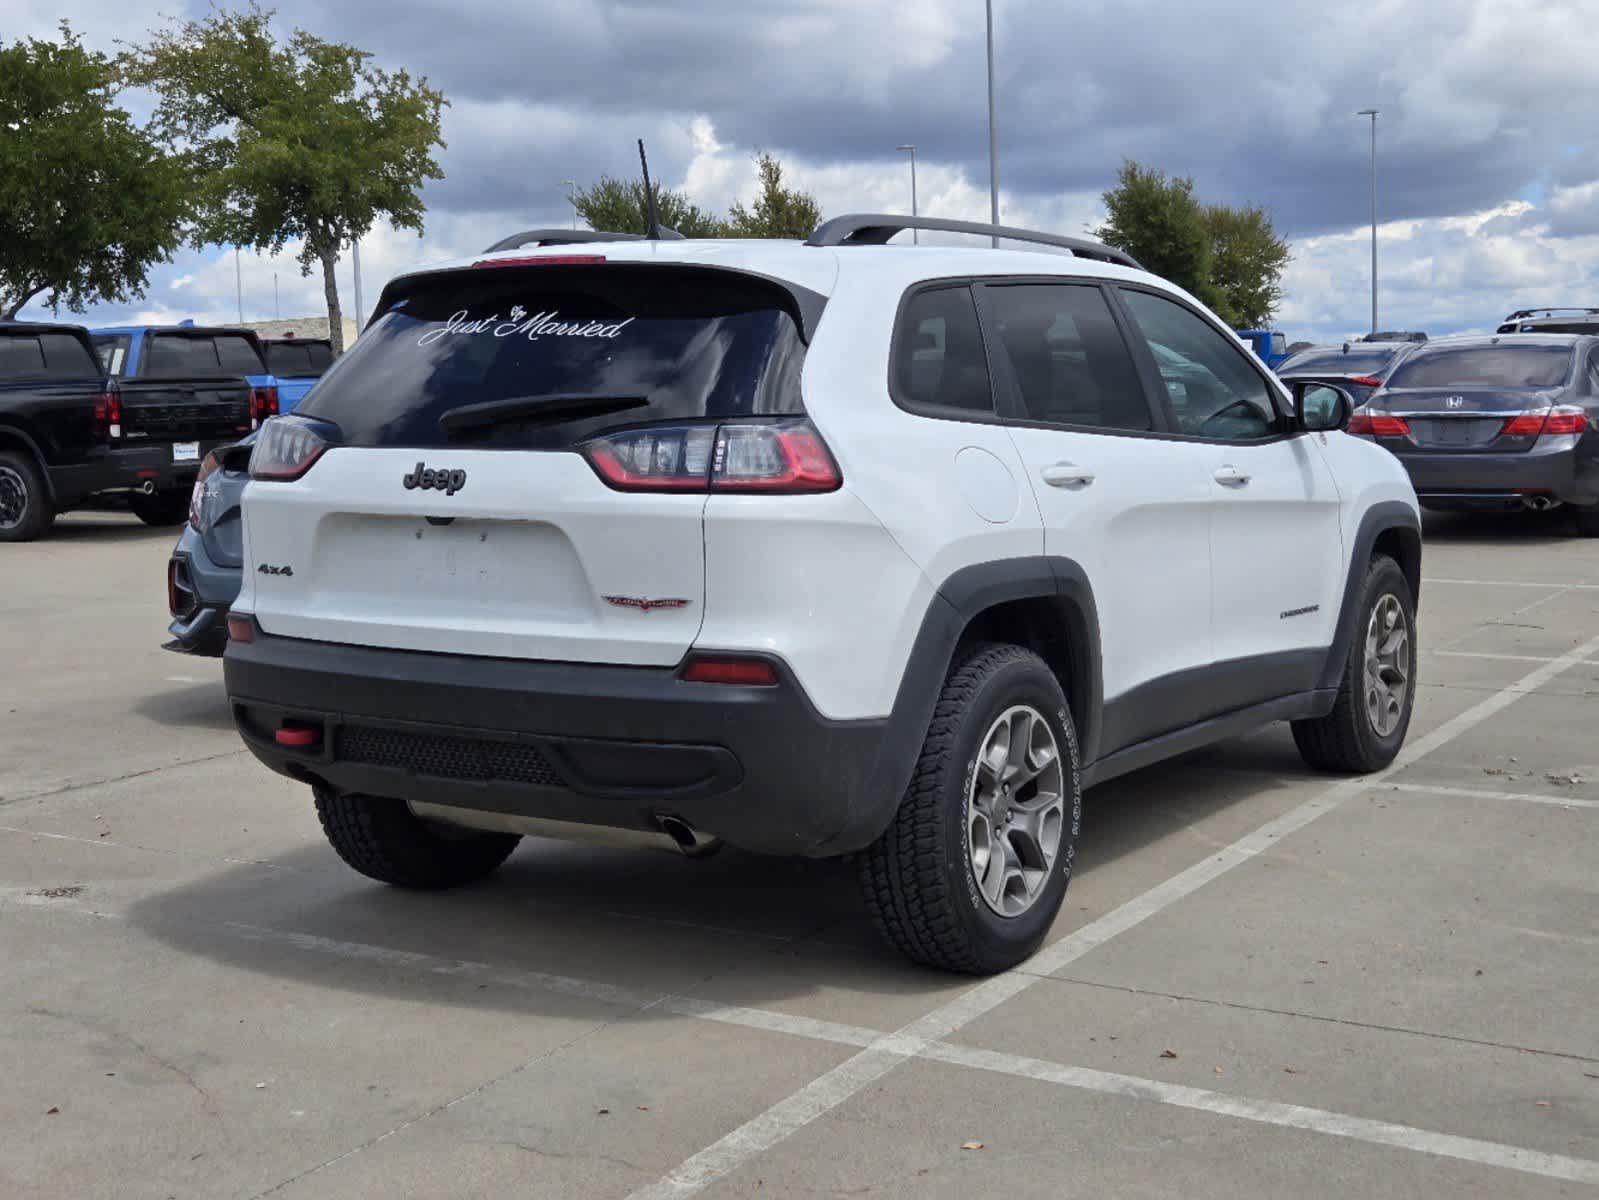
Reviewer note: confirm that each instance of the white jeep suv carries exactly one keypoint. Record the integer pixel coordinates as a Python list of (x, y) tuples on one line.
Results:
[(814, 549)]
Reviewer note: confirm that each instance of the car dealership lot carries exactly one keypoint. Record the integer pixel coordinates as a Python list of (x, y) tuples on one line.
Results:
[(1262, 981)]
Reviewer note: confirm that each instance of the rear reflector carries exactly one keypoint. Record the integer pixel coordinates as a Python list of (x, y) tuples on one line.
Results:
[(241, 627), (542, 260), (748, 672), (296, 735), (1363, 420)]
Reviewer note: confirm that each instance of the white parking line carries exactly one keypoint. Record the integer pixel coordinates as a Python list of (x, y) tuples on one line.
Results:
[(1484, 794), (1519, 583), (828, 1091)]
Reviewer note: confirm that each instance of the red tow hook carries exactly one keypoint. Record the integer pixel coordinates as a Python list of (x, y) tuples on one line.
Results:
[(297, 736)]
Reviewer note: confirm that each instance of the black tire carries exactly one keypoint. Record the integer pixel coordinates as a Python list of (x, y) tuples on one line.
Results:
[(25, 509), (1347, 740), (383, 839), (161, 509), (918, 877), (1586, 520)]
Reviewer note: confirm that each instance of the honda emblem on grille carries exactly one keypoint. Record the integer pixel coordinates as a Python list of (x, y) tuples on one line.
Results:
[(1455, 401), (643, 605)]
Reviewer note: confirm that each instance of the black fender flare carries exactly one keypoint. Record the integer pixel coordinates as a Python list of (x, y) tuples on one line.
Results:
[(8, 432), (965, 595), (1378, 519)]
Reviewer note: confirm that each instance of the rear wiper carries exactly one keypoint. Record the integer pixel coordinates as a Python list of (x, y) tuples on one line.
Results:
[(535, 408)]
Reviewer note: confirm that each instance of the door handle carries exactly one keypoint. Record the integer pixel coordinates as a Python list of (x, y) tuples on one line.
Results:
[(1067, 475), (1231, 477)]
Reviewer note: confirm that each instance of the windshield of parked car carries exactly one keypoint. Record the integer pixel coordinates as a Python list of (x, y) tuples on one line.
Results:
[(1494, 366), (675, 343), (1333, 360), (298, 360)]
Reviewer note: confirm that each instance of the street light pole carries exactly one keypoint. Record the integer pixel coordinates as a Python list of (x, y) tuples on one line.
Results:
[(911, 146), (355, 259), (993, 146), (238, 283), (569, 184), (1372, 113)]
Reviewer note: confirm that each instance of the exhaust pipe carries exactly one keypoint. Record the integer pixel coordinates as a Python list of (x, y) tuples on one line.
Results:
[(147, 487), (1540, 503), (671, 833)]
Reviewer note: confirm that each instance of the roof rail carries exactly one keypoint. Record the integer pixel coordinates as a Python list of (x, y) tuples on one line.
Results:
[(874, 229), (571, 237), (1533, 312)]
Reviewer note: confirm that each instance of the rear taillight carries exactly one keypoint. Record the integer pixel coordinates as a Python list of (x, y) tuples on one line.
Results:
[(197, 495), (1525, 425), (1370, 381), (288, 447), (1363, 420), (263, 404), (1565, 418), (241, 627), (772, 457), (108, 413)]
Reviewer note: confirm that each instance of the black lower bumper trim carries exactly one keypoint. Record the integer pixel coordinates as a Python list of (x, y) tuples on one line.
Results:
[(594, 744)]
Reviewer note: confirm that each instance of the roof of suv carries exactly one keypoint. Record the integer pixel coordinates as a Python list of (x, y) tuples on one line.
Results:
[(818, 268)]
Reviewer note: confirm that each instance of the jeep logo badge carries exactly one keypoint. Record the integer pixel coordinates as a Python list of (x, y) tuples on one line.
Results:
[(448, 482)]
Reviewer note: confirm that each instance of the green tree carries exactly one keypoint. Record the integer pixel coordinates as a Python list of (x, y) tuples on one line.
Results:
[(1247, 261), (778, 212), (297, 140), (1160, 223), (88, 201), (617, 206)]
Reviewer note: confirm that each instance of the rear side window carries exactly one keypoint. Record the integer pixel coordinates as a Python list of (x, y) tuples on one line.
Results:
[(1501, 366), (45, 356), (298, 360), (1279, 344), (597, 347), (1066, 355), (113, 353), (938, 353), (177, 355)]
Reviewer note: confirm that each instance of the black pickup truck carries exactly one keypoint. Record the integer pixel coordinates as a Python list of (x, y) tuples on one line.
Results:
[(75, 426)]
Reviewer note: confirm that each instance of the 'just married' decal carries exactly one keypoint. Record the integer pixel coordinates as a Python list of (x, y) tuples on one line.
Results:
[(544, 324)]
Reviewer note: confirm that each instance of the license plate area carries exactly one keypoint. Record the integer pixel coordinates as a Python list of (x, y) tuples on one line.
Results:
[(185, 452)]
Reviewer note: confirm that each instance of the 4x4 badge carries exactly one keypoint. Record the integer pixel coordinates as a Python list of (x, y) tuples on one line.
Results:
[(448, 482)]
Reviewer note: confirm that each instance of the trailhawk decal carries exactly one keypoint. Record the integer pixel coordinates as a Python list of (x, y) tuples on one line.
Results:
[(644, 605), (539, 325)]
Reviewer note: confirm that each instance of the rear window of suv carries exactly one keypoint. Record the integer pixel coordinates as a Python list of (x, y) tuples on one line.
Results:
[(607, 346), (1501, 366), (1334, 361), (181, 355), (45, 356)]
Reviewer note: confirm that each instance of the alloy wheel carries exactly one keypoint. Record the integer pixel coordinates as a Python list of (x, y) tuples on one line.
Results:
[(1015, 810)]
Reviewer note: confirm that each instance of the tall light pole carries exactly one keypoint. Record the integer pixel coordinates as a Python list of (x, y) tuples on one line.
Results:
[(355, 259), (238, 283), (571, 199), (911, 146), (1372, 113), (993, 146)]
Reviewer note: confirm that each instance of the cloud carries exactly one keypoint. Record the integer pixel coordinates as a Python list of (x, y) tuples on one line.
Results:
[(1483, 105)]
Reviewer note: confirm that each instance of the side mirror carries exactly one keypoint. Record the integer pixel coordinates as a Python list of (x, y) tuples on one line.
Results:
[(1321, 407)]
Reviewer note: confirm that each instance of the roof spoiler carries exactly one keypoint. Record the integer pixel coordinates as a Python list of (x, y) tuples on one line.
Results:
[(571, 237), (874, 229)]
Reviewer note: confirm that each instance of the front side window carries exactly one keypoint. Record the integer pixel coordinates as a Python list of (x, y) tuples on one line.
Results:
[(1066, 355), (938, 353), (1213, 390)]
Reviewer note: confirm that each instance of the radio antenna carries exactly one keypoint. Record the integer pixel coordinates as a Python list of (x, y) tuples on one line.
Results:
[(654, 231)]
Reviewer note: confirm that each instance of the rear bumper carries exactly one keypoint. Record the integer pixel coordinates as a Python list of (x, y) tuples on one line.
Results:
[(127, 468), (597, 745), (1556, 471), (201, 594)]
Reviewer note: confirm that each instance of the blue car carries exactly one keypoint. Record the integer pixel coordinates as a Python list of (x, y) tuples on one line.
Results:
[(296, 363), (185, 390)]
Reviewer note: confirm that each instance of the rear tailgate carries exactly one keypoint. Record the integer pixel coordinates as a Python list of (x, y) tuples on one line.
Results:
[(526, 552), (185, 410)]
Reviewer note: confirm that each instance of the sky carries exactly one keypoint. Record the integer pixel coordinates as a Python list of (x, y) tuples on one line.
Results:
[(1487, 155)]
